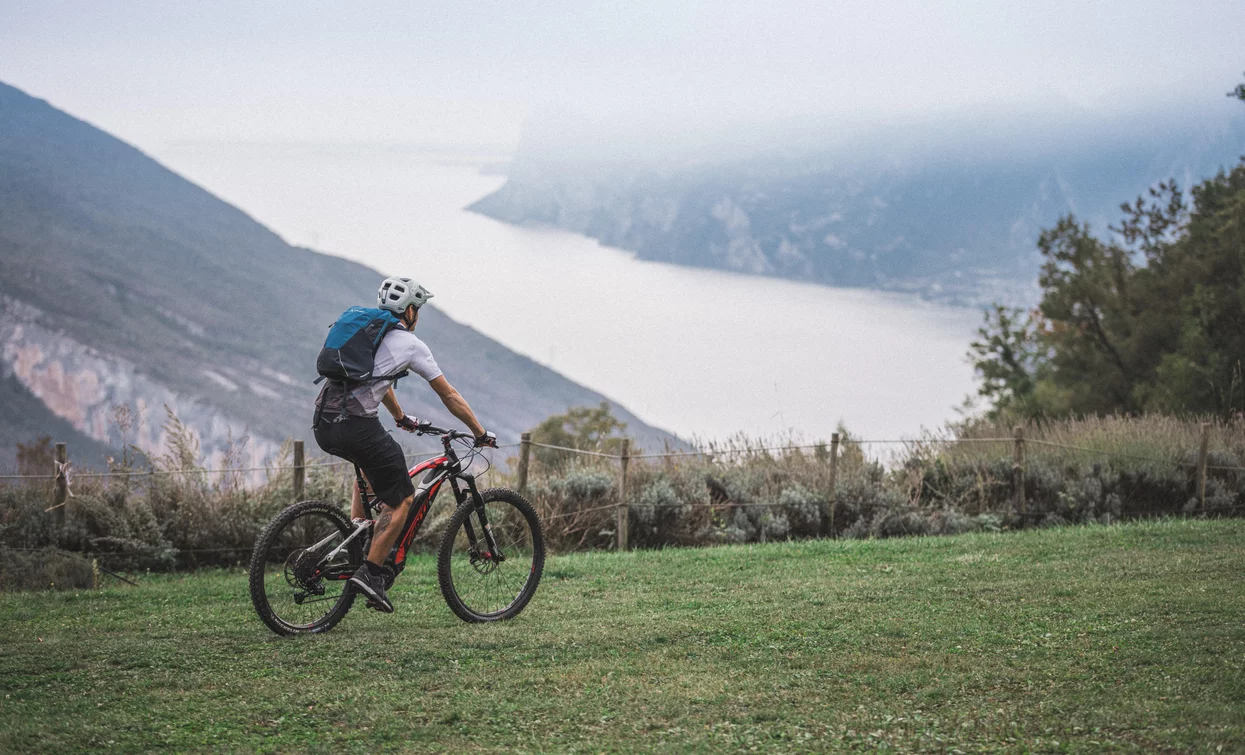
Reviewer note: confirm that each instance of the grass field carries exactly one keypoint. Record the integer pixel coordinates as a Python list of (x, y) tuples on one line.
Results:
[(1085, 639)]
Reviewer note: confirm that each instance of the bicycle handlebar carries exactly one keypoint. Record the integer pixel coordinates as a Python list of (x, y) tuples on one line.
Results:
[(427, 428)]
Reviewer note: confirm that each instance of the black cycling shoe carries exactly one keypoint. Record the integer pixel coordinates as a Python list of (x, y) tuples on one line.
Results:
[(373, 588)]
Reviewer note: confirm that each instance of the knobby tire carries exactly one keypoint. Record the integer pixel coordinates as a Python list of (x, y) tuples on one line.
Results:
[(259, 564), (446, 554)]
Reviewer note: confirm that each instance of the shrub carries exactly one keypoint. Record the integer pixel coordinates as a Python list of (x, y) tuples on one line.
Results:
[(802, 509), (735, 492), (44, 569), (577, 505)]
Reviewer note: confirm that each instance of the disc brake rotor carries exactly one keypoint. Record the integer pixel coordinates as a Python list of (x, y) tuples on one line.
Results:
[(481, 564)]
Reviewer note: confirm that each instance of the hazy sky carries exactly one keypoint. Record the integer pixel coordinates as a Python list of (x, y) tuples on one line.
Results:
[(468, 74)]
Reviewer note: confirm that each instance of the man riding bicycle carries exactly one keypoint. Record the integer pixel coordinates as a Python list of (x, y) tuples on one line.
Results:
[(347, 425)]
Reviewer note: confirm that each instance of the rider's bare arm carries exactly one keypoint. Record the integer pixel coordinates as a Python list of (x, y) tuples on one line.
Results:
[(391, 403), (457, 405)]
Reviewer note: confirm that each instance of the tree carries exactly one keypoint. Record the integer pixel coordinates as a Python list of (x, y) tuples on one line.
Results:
[(1087, 303), (584, 428), (1007, 356), (1201, 279), (1152, 319), (1238, 93)]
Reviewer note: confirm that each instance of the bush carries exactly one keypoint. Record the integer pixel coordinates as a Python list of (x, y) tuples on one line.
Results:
[(740, 492), (168, 513), (577, 505), (44, 569), (802, 509), (735, 492)]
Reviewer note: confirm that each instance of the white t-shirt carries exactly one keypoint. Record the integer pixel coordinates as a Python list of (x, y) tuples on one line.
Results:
[(401, 350)]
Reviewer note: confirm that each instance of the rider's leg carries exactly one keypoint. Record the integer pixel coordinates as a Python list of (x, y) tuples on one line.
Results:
[(386, 530), (356, 500)]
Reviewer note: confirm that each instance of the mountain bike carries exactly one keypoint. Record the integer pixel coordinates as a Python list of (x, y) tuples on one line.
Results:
[(489, 561)]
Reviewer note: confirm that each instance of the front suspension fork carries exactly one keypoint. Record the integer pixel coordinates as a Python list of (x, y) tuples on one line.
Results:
[(472, 493)]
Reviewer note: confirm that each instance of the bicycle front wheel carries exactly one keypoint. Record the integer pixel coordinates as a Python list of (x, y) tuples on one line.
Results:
[(478, 583)]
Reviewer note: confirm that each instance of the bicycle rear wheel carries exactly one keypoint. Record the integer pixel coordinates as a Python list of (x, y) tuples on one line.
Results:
[(482, 586), (295, 587)]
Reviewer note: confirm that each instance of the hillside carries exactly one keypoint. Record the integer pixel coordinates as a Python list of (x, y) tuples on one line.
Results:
[(947, 208), (124, 283)]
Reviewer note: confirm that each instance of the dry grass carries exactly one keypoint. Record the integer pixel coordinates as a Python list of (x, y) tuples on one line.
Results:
[(1162, 438), (737, 490)]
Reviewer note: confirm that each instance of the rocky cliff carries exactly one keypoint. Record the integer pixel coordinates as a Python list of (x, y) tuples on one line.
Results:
[(84, 386)]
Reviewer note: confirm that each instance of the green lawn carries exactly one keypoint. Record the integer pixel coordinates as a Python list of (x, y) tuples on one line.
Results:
[(1087, 639)]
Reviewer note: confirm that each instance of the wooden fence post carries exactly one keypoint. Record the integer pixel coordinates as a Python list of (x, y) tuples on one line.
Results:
[(525, 453), (827, 529), (300, 470), (1202, 453), (1018, 470), (623, 519), (62, 485)]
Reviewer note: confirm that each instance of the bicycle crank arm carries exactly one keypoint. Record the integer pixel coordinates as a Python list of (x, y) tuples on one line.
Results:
[(338, 574)]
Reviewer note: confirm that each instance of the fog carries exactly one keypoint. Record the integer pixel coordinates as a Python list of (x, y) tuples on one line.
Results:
[(469, 75), (977, 135)]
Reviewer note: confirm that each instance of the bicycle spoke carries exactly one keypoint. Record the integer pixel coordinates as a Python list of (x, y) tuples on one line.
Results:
[(294, 580), (486, 586), (320, 600)]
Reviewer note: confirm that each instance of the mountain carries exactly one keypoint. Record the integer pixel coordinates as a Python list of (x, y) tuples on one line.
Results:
[(949, 208), (124, 283)]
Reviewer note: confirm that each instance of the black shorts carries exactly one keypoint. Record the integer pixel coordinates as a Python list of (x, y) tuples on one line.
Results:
[(363, 441)]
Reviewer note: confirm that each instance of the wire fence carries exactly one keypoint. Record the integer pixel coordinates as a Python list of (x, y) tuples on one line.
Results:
[(1011, 496), (65, 473), (935, 441), (65, 468), (625, 500)]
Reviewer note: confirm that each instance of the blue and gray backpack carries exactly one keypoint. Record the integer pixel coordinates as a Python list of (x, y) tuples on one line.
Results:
[(349, 353), (348, 359)]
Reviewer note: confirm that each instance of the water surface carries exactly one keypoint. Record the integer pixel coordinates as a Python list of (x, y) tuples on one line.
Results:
[(698, 352)]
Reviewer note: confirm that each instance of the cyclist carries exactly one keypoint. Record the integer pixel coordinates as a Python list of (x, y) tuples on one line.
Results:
[(347, 425)]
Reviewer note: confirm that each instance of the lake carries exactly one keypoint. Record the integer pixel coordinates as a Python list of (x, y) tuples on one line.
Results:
[(698, 352)]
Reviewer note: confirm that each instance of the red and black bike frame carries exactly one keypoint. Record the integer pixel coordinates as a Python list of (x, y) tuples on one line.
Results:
[(436, 472)]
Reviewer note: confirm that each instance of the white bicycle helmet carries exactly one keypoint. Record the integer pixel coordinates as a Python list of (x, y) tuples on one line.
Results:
[(396, 294)]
